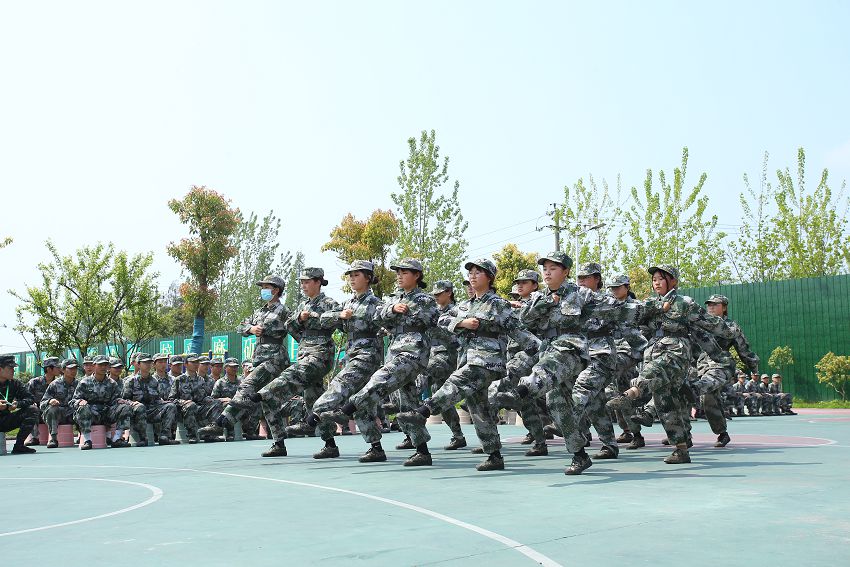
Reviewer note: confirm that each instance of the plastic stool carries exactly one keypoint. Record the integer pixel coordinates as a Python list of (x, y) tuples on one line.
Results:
[(182, 433), (3, 444), (237, 432), (65, 436), (43, 433), (98, 437), (352, 426), (264, 430)]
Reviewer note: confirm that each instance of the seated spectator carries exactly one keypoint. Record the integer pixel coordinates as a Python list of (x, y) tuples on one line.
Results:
[(785, 400), (97, 401), (17, 409), (147, 393), (37, 386), (56, 402)]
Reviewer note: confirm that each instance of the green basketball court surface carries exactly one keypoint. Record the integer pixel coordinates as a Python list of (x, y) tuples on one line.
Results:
[(777, 495)]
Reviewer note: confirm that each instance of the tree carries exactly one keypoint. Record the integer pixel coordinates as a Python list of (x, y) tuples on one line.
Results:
[(5, 242), (371, 240), (212, 224), (431, 226), (177, 319), (509, 261), (292, 293), (587, 206), (256, 243), (834, 371), (82, 299), (781, 358), (668, 225)]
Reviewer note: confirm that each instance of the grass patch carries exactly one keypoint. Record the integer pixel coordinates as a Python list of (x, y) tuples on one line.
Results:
[(831, 404)]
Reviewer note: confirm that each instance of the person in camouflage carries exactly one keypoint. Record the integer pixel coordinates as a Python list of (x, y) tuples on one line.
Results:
[(268, 324), (189, 394), (97, 400), (669, 317), (364, 354), (482, 324), (147, 394), (37, 386), (116, 368), (55, 404), (714, 368), (225, 388), (17, 409), (204, 373), (316, 350), (407, 316), (785, 401), (88, 365)]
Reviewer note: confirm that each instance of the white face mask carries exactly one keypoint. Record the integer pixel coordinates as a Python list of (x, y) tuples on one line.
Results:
[(266, 294)]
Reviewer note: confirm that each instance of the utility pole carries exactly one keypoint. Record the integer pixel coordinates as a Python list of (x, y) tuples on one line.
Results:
[(555, 213)]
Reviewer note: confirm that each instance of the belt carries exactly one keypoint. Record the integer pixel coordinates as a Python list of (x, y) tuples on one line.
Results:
[(326, 334), (400, 329), (598, 334), (359, 336), (269, 341), (485, 334)]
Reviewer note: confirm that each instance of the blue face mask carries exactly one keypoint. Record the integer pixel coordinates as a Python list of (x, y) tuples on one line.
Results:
[(266, 294)]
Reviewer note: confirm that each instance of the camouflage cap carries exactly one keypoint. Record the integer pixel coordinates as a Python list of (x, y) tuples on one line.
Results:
[(101, 359), (777, 376), (160, 356), (407, 264), (558, 257), (191, 357), (717, 298), (7, 360), (203, 359), (313, 274), (247, 363), (144, 357), (527, 276), (514, 293), (442, 285), (50, 361), (231, 362), (619, 279), (360, 266), (589, 269), (116, 362), (216, 360), (68, 363), (666, 268), (765, 377), (276, 281), (483, 263), (88, 359), (175, 359)]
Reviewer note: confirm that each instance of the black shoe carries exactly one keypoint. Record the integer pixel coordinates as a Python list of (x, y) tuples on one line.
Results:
[(644, 418), (455, 444), (625, 437), (166, 441), (406, 444), (85, 446), (327, 453), (790, 412), (211, 431), (142, 443), (538, 450), (527, 440), (32, 442), (722, 440), (580, 464), (477, 450), (278, 449), (373, 456), (250, 437), (605, 453), (192, 440), (665, 441), (678, 457), (551, 430), (108, 442), (418, 459), (119, 444), (53, 443), (637, 442), (494, 462), (21, 450)]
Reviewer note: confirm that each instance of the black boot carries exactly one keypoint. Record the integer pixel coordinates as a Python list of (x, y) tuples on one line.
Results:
[(455, 444), (329, 451), (278, 449), (722, 439), (581, 462), (494, 462), (375, 454), (406, 444), (538, 450)]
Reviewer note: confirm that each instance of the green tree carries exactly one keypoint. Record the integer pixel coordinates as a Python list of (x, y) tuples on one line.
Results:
[(834, 371), (292, 293), (176, 316), (212, 223), (5, 242), (82, 299), (509, 261), (371, 240), (256, 242), (781, 358), (586, 206), (668, 225), (431, 226)]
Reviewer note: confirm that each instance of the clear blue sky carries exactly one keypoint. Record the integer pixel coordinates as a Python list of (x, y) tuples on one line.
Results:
[(110, 109)]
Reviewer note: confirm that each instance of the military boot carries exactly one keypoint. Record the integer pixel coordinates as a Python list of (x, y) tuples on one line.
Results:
[(373, 455), (605, 453), (678, 457), (212, 430), (625, 437), (418, 459), (538, 450), (494, 462), (406, 444), (477, 450), (53, 443), (527, 440), (722, 439), (278, 449), (327, 453), (581, 462), (551, 430), (621, 403), (637, 442), (455, 444)]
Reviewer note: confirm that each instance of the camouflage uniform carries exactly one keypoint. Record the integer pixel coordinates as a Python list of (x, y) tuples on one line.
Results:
[(195, 406), (104, 404), (224, 388), (714, 370), (27, 414), (149, 403), (407, 356), (37, 386), (752, 389), (364, 353), (783, 399), (738, 390), (209, 381), (316, 351), (63, 392)]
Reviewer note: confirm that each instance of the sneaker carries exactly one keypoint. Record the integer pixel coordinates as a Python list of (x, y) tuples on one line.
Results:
[(722, 439), (621, 403), (53, 443), (637, 442), (418, 459), (605, 453), (85, 446), (492, 463), (527, 440), (276, 450), (327, 453), (406, 444), (373, 456), (21, 450), (625, 437), (579, 465), (477, 450), (455, 444), (538, 450), (678, 457)]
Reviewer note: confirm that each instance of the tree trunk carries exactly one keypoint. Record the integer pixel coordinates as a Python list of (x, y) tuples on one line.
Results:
[(198, 334)]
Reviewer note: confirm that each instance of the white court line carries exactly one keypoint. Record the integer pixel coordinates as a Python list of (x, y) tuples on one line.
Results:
[(156, 494), (532, 554)]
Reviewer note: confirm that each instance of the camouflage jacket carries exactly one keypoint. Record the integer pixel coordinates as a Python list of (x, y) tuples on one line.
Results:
[(38, 385), (774, 388), (105, 393), (409, 331), (224, 388), (152, 390), (15, 390), (753, 386), (628, 339), (671, 330), (710, 356), (487, 346), (61, 391), (739, 388), (741, 345), (272, 345), (209, 384), (443, 340), (186, 387), (361, 329), (314, 334), (561, 325)]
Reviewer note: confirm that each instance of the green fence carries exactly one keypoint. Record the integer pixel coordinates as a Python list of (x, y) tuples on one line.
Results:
[(811, 315)]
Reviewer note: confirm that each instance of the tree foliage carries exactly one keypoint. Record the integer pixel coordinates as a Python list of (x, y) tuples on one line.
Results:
[(509, 261), (293, 286), (781, 358), (371, 240), (834, 371), (431, 226), (588, 205)]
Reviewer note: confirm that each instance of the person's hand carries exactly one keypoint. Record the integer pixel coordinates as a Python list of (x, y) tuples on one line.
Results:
[(224, 400), (471, 323), (346, 314), (83, 403), (666, 306), (256, 330), (3, 405), (304, 315), (516, 304), (400, 308), (53, 402), (556, 298)]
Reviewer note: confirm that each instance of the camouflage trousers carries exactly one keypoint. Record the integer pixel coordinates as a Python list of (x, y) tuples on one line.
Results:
[(54, 416), (96, 414), (662, 374), (241, 405), (753, 402), (519, 366), (161, 415), (626, 370), (349, 381), (588, 404), (709, 386), (197, 414), (440, 365), (305, 378), (398, 374)]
